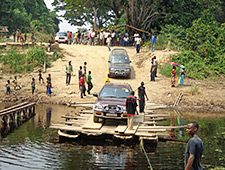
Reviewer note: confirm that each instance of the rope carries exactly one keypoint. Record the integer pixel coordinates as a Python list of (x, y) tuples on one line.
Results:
[(142, 146)]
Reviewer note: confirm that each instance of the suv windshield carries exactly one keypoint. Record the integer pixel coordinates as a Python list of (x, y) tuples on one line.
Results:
[(119, 52), (120, 60), (114, 92), (61, 34)]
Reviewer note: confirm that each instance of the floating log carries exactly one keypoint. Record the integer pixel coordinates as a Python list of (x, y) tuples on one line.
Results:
[(155, 116), (151, 130), (161, 127)]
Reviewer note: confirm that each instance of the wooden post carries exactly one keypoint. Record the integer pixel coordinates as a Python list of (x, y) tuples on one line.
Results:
[(44, 66)]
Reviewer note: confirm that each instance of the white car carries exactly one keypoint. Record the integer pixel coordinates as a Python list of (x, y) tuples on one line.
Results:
[(61, 37)]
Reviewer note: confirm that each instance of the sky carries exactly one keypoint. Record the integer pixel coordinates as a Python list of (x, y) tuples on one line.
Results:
[(64, 25)]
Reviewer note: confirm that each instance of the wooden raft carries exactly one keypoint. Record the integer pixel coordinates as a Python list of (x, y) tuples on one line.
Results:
[(82, 123)]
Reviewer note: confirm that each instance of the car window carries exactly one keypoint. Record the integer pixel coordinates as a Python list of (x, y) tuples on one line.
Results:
[(120, 60), (61, 34), (115, 92), (119, 52)]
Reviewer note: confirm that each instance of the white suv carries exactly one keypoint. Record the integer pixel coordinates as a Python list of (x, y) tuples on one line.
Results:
[(61, 37)]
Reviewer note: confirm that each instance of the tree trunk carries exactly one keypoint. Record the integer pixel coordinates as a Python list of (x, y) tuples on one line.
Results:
[(131, 5), (95, 17)]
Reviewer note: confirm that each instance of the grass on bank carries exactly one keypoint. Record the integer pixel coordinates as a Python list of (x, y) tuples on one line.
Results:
[(15, 61), (196, 67)]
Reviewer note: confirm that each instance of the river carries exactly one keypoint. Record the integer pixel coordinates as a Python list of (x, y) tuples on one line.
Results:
[(34, 146)]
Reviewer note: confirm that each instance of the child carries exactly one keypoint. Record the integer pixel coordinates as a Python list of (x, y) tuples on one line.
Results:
[(8, 90), (85, 71), (40, 77), (80, 72), (49, 45), (16, 86), (33, 85), (85, 68), (49, 86)]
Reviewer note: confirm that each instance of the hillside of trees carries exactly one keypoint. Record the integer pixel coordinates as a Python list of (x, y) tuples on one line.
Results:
[(28, 14), (194, 27)]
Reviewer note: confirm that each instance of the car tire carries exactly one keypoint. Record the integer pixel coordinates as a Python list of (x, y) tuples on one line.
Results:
[(96, 119)]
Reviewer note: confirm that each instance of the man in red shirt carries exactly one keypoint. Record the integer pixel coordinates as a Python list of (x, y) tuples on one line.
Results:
[(131, 108), (82, 86), (69, 38)]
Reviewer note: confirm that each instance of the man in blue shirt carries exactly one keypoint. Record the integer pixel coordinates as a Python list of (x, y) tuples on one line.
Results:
[(153, 40)]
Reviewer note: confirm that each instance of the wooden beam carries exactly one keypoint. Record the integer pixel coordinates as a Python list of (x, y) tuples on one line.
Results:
[(132, 27), (161, 127)]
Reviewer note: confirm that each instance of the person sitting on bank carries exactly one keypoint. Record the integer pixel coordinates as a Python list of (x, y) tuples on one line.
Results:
[(126, 41), (107, 79), (16, 85)]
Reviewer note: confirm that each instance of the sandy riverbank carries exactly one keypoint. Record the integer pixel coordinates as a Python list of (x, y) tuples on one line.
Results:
[(198, 94)]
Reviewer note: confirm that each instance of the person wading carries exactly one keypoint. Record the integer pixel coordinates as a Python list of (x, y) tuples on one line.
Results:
[(131, 108), (69, 71), (194, 149), (141, 96)]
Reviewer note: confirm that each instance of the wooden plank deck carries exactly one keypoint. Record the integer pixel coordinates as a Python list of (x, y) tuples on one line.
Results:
[(120, 128), (83, 123), (133, 131), (13, 107), (17, 109), (91, 124)]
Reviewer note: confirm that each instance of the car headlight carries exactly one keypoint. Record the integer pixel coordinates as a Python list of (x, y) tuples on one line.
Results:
[(128, 70), (112, 69), (57, 38), (123, 108), (98, 107), (66, 38)]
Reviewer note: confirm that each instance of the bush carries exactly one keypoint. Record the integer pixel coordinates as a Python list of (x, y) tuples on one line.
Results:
[(14, 60), (56, 55), (202, 47), (18, 62), (166, 70)]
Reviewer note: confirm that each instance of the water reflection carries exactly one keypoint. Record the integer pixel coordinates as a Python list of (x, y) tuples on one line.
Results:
[(34, 146)]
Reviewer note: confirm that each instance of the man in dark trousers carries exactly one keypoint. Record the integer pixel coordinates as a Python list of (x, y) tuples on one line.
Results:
[(131, 108), (194, 149), (141, 95), (82, 86), (90, 85), (69, 71)]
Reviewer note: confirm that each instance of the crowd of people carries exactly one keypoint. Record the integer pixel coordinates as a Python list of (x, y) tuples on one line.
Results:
[(108, 38), (19, 37)]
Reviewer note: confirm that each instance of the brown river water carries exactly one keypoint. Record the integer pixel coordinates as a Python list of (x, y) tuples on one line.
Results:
[(34, 146)]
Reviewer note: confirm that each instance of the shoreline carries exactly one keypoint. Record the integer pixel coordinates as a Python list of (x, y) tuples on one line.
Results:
[(165, 106)]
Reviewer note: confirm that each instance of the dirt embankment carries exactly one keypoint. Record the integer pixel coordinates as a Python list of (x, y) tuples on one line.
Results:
[(204, 95)]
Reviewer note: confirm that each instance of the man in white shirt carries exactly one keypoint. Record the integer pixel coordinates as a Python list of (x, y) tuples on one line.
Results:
[(138, 44), (135, 38), (113, 34), (93, 37), (126, 41), (101, 36), (106, 34)]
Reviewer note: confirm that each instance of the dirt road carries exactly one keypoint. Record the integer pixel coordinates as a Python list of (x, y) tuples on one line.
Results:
[(197, 94)]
